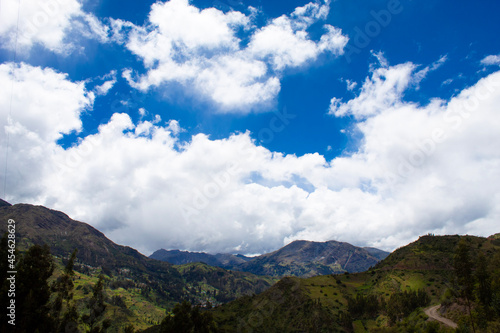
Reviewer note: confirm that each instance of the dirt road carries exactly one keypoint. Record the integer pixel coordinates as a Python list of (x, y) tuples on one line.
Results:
[(432, 312)]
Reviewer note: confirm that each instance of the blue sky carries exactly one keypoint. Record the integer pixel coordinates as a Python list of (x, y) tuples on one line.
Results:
[(239, 126)]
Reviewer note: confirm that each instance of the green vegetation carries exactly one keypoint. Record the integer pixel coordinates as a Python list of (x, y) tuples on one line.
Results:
[(103, 287), (187, 319), (387, 298), (137, 290), (33, 291)]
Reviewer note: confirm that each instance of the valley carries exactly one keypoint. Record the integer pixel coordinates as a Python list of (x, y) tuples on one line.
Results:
[(302, 287)]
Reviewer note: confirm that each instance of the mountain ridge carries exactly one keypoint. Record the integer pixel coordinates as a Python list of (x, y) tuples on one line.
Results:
[(389, 297), (299, 258), (40, 225)]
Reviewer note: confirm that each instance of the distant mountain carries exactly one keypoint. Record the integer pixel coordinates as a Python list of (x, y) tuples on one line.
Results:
[(170, 284), (138, 289), (377, 300), (176, 257), (305, 259), (299, 258), (379, 254)]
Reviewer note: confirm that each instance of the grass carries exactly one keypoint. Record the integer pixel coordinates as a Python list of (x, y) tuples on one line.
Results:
[(140, 312), (358, 326)]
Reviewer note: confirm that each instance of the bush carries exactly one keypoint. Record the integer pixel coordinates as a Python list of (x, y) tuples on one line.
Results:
[(402, 304)]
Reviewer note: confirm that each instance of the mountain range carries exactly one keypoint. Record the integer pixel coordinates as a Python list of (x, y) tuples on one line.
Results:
[(147, 285), (299, 258), (389, 295)]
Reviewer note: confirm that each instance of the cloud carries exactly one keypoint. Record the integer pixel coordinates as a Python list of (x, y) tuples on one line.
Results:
[(286, 42), (39, 105), (418, 169), (107, 85), (422, 74), (205, 51), (491, 60), (43, 99), (47, 23), (351, 85), (380, 92)]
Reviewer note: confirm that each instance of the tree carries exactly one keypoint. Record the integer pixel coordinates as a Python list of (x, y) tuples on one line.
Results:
[(432, 327), (129, 329), (33, 291), (363, 306), (97, 308), (401, 304), (462, 264), (185, 319), (495, 284), (484, 281), (180, 321), (66, 314)]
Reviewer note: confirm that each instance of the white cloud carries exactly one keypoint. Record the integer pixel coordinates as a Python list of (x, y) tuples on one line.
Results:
[(351, 85), (422, 74), (284, 46), (186, 26), (41, 106), (380, 92), (418, 169), (491, 60), (235, 82), (47, 23), (92, 28), (43, 99), (104, 88), (203, 50), (107, 85), (308, 14)]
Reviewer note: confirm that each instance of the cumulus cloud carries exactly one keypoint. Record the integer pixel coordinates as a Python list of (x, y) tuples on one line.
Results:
[(418, 169), (204, 50), (38, 107), (286, 42), (43, 100), (47, 23), (378, 93)]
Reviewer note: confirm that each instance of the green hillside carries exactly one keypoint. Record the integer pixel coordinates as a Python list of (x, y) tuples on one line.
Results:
[(114, 288), (387, 298), (138, 290)]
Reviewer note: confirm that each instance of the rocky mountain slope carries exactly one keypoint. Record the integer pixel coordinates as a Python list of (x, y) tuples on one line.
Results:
[(390, 297), (299, 258), (166, 283)]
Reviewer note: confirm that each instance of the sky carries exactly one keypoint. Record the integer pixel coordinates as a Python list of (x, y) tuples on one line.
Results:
[(241, 126)]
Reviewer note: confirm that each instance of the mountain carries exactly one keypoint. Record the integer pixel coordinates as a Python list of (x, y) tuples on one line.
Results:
[(176, 257), (379, 254), (299, 258), (4, 203), (146, 286), (390, 297), (305, 259), (40, 225)]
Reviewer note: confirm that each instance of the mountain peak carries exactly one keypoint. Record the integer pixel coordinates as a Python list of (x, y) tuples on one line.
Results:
[(299, 258), (4, 203)]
